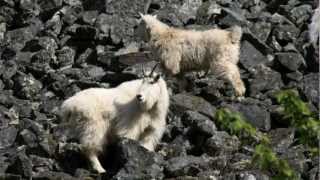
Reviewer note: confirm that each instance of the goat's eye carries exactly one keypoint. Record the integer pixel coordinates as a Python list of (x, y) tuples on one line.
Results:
[(157, 78)]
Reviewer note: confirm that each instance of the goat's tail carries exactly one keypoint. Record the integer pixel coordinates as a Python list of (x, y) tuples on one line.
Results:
[(315, 26), (236, 33)]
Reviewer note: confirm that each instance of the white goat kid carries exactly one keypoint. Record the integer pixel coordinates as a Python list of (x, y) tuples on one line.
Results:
[(188, 50), (135, 109)]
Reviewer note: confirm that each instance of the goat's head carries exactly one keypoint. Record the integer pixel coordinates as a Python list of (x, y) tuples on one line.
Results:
[(150, 90), (149, 23)]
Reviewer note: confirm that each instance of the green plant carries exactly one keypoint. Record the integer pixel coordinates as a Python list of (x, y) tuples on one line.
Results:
[(235, 124), (299, 115), (264, 158)]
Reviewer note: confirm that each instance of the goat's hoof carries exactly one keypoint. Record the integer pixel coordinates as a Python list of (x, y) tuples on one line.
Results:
[(100, 170), (240, 98)]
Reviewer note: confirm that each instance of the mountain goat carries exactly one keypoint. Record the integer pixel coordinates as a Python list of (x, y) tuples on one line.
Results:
[(187, 50), (135, 109)]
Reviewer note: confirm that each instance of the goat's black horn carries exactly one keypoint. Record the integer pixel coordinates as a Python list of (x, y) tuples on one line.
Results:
[(155, 66)]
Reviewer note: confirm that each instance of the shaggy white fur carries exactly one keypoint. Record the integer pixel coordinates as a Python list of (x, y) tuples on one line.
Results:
[(315, 26), (188, 50), (135, 109)]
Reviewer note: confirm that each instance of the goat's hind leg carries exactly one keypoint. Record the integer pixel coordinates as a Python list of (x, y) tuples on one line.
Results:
[(93, 141)]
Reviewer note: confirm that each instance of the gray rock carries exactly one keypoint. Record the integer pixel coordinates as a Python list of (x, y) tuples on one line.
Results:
[(86, 33), (95, 73), (208, 175), (296, 76), (281, 139), (7, 14), (137, 69), (234, 16), (41, 164), (90, 17), (26, 86), (313, 174), (1, 85), (296, 158), (206, 11), (4, 164), (8, 137), (183, 102), (221, 143), (310, 84), (17, 38), (262, 30), (247, 175), (9, 70), (10, 176), (22, 165), (264, 79), (87, 56), (82, 174), (255, 112), (29, 138), (50, 5), (70, 156), (125, 15), (175, 128), (71, 13), (75, 73), (188, 11), (199, 123), (103, 23), (286, 32), (300, 14), (137, 162), (40, 63), (9, 3), (65, 56), (187, 165), (250, 57), (32, 127), (178, 147), (211, 88), (53, 175), (3, 29), (54, 25), (291, 61), (239, 162)]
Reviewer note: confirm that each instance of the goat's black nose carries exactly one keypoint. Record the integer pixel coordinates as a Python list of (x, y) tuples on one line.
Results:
[(139, 97)]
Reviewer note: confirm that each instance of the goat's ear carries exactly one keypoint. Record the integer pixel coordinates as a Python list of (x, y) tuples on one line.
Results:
[(157, 77)]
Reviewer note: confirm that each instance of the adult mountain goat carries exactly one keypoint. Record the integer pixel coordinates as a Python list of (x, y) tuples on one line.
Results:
[(187, 50), (135, 109)]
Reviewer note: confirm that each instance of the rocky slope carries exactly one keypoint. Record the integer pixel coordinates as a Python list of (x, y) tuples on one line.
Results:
[(51, 49)]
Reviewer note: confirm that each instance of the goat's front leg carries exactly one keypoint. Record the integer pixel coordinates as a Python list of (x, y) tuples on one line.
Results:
[(230, 72), (95, 163), (151, 136), (170, 61)]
